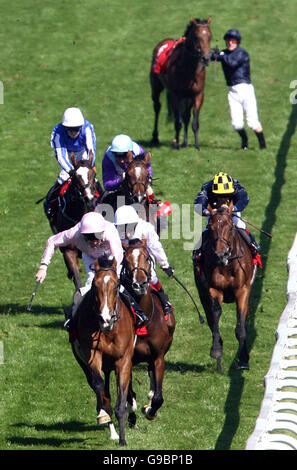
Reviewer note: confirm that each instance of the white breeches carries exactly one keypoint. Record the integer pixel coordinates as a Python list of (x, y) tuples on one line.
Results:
[(242, 99)]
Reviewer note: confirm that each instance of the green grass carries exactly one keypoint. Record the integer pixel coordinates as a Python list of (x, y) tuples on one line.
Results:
[(96, 55)]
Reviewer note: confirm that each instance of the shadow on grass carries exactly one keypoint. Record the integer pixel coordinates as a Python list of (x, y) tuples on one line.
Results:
[(70, 426), (236, 378), (16, 309)]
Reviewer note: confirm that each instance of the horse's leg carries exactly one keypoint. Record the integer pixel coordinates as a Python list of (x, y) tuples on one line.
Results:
[(157, 88), (195, 124), (213, 311), (186, 119), (132, 405), (156, 381), (123, 372), (177, 119), (242, 299), (71, 261)]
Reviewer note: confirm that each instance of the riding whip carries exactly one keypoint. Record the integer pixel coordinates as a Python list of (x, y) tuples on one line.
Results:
[(184, 287), (33, 295), (255, 226)]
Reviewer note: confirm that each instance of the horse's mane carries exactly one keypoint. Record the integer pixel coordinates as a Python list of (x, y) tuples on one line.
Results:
[(106, 260), (134, 241), (190, 25)]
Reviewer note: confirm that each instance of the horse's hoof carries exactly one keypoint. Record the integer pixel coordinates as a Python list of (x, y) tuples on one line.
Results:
[(147, 411), (216, 353), (132, 420), (103, 418)]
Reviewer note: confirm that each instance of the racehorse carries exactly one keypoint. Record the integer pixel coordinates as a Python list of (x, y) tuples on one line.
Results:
[(226, 275), (76, 197), (184, 79), (105, 334), (133, 190), (151, 348)]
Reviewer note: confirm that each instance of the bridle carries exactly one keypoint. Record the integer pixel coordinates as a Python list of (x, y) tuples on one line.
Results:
[(96, 305), (194, 45), (127, 273), (228, 243)]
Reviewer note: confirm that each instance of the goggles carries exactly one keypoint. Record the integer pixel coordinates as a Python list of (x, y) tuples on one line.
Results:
[(73, 129), (90, 237)]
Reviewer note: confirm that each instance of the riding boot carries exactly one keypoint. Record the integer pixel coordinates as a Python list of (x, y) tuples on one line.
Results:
[(131, 303), (198, 253), (250, 240), (51, 203), (70, 313), (163, 297), (261, 139), (244, 138)]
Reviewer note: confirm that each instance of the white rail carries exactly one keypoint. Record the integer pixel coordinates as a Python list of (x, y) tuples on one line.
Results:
[(276, 426)]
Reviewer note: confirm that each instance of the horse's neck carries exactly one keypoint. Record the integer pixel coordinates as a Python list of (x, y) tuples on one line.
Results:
[(146, 302)]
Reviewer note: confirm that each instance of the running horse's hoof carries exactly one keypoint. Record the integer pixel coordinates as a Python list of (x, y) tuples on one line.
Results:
[(147, 411), (103, 418), (242, 366)]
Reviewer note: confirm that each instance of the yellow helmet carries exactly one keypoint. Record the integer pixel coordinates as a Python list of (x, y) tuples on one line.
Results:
[(222, 184)]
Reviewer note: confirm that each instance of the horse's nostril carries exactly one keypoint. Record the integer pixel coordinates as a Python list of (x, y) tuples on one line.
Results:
[(135, 285)]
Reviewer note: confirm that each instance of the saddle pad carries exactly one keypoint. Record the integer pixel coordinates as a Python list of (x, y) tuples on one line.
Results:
[(162, 58)]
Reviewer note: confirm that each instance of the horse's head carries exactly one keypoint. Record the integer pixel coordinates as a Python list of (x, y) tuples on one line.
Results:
[(198, 36), (84, 181), (137, 263), (222, 232), (137, 176), (105, 288)]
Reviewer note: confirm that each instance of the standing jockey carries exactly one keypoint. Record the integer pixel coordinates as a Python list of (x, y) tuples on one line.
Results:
[(114, 164), (74, 134), (218, 192), (241, 96), (94, 236), (131, 226)]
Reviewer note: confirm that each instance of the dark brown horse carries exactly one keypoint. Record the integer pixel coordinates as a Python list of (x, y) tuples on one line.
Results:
[(105, 336), (136, 274), (77, 197), (133, 190), (227, 276), (184, 79)]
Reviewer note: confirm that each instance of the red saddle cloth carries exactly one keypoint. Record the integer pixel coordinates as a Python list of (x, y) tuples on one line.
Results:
[(162, 58)]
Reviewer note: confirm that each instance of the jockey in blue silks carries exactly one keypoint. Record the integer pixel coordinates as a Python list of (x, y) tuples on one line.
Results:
[(74, 134)]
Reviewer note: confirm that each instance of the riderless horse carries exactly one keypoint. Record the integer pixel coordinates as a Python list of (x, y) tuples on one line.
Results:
[(183, 77), (225, 274), (105, 334), (151, 348)]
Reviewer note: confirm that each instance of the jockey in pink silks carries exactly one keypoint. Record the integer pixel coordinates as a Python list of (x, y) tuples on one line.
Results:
[(93, 236)]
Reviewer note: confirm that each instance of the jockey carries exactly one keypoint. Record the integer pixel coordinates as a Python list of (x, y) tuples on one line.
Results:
[(114, 164), (131, 226), (74, 134), (218, 192), (93, 236)]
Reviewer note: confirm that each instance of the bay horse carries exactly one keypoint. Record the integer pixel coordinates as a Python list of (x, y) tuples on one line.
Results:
[(226, 274), (184, 79), (151, 348), (105, 334), (76, 197), (133, 190)]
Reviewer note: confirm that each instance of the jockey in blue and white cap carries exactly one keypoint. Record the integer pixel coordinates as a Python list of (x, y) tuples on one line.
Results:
[(73, 134)]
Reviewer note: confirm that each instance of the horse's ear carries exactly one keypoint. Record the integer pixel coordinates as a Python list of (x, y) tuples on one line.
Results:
[(73, 159), (209, 20), (95, 264), (129, 157), (231, 207), (143, 239), (147, 158), (125, 245), (209, 208), (91, 156), (194, 21)]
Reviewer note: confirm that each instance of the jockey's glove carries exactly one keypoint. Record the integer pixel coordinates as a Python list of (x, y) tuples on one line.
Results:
[(169, 271)]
